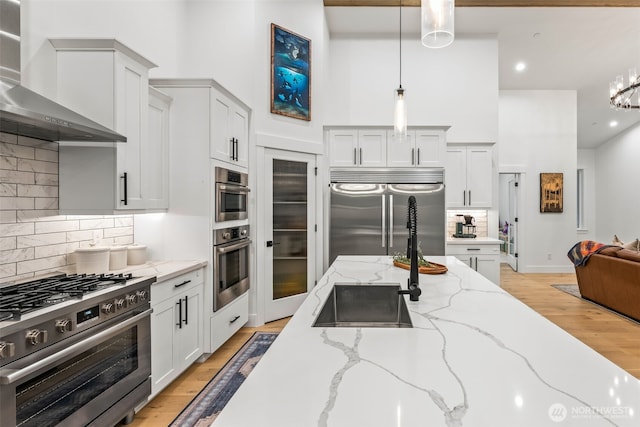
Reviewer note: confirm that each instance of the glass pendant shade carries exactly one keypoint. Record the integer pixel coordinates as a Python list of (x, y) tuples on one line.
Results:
[(400, 116), (437, 22)]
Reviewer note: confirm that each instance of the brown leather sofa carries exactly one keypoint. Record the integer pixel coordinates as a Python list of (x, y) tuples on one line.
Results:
[(611, 278)]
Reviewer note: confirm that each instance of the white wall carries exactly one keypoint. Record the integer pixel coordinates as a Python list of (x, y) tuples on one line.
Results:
[(617, 193), (587, 162), (538, 130), (456, 86)]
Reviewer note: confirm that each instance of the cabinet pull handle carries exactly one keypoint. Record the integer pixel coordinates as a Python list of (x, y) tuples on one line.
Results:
[(473, 249), (469, 197), (232, 149), (235, 150), (186, 311), (124, 200), (355, 156), (361, 156), (464, 197), (182, 284), (413, 156), (234, 319), (418, 162), (179, 324)]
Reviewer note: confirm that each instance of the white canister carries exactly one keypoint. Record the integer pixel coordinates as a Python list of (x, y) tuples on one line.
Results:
[(136, 254), (118, 258), (92, 260)]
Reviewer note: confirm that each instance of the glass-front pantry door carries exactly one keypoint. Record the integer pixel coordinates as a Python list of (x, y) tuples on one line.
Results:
[(290, 231)]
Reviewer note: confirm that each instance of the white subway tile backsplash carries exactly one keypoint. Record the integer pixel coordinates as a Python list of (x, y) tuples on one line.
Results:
[(56, 226), (35, 238), (7, 243), (19, 151), (88, 224), (37, 166), (17, 229), (37, 190), (16, 255), (16, 177), (46, 203), (7, 217), (41, 239), (41, 264), (8, 190), (46, 155), (46, 179), (14, 203)]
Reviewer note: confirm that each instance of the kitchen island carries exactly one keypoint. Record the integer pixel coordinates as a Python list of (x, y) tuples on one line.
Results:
[(476, 356)]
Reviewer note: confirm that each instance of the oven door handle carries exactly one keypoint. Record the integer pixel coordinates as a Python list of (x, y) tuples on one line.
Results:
[(235, 188), (85, 344), (235, 247)]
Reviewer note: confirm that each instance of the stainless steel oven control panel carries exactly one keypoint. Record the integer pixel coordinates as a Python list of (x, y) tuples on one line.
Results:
[(231, 234), (67, 319)]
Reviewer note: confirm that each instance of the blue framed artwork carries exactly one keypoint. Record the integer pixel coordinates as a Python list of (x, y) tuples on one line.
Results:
[(290, 74)]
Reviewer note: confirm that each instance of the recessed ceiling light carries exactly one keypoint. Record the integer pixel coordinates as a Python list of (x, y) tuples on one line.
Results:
[(613, 123), (520, 66)]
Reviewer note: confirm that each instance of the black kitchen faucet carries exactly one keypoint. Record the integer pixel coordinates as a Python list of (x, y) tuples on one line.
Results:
[(413, 285)]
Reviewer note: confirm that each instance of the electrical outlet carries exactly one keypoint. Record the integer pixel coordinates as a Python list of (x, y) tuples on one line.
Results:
[(548, 257)]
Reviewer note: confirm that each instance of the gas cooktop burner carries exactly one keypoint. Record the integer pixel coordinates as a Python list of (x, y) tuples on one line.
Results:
[(22, 298)]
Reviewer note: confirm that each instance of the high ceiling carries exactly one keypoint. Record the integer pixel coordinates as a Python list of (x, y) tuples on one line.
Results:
[(565, 48)]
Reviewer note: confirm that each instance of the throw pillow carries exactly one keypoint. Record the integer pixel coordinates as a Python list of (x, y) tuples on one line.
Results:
[(616, 241), (634, 246)]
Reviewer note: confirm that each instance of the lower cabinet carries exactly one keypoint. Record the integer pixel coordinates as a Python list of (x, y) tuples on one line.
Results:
[(176, 327), (228, 320), (483, 258)]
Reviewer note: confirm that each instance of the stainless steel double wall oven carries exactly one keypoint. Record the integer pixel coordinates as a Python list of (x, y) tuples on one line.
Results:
[(231, 195), (231, 247)]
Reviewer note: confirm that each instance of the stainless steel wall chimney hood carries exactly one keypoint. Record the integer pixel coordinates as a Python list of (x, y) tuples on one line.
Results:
[(24, 112)]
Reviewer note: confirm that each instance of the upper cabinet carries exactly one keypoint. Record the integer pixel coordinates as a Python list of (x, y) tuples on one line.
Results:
[(229, 130), (422, 148), (357, 147), (469, 176), (378, 147), (108, 82), (155, 151)]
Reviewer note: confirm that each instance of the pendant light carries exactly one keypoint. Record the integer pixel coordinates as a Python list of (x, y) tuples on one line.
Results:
[(400, 110), (437, 23)]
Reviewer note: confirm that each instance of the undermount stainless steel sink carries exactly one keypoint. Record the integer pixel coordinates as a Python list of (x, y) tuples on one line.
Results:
[(352, 305)]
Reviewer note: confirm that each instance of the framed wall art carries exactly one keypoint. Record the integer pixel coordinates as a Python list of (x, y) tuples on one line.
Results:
[(290, 74), (551, 188)]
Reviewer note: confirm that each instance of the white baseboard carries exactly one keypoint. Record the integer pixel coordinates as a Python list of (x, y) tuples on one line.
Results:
[(253, 321)]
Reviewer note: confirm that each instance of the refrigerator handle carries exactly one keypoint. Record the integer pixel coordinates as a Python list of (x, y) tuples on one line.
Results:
[(390, 220), (384, 219)]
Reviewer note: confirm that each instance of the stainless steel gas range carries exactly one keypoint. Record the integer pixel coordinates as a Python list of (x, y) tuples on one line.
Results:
[(74, 350)]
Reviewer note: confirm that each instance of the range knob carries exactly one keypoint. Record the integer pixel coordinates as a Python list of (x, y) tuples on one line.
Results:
[(142, 295), (37, 336), (132, 299), (63, 325), (226, 235), (243, 232), (108, 308), (121, 303), (7, 350)]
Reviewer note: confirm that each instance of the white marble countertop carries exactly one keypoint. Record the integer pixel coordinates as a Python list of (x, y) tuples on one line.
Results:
[(476, 240), (475, 357)]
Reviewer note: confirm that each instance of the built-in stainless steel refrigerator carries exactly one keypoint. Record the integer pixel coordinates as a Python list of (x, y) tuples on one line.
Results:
[(369, 211)]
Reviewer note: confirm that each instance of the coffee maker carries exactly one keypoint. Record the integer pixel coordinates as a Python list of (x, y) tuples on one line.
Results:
[(465, 226)]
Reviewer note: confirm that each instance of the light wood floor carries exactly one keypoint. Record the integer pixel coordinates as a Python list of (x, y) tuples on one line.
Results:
[(616, 338)]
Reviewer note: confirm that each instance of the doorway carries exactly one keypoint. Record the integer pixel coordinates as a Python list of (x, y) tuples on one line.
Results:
[(508, 219), (290, 222)]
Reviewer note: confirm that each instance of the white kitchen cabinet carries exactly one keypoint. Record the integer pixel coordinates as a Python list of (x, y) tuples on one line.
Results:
[(422, 148), (357, 147), (176, 327), (482, 257), (228, 320), (107, 82), (469, 176), (155, 152), (229, 129)]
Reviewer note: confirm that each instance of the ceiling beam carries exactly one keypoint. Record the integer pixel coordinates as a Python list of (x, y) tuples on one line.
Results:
[(493, 3)]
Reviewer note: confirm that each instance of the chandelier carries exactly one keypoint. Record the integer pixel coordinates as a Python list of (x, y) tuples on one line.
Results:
[(620, 96)]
